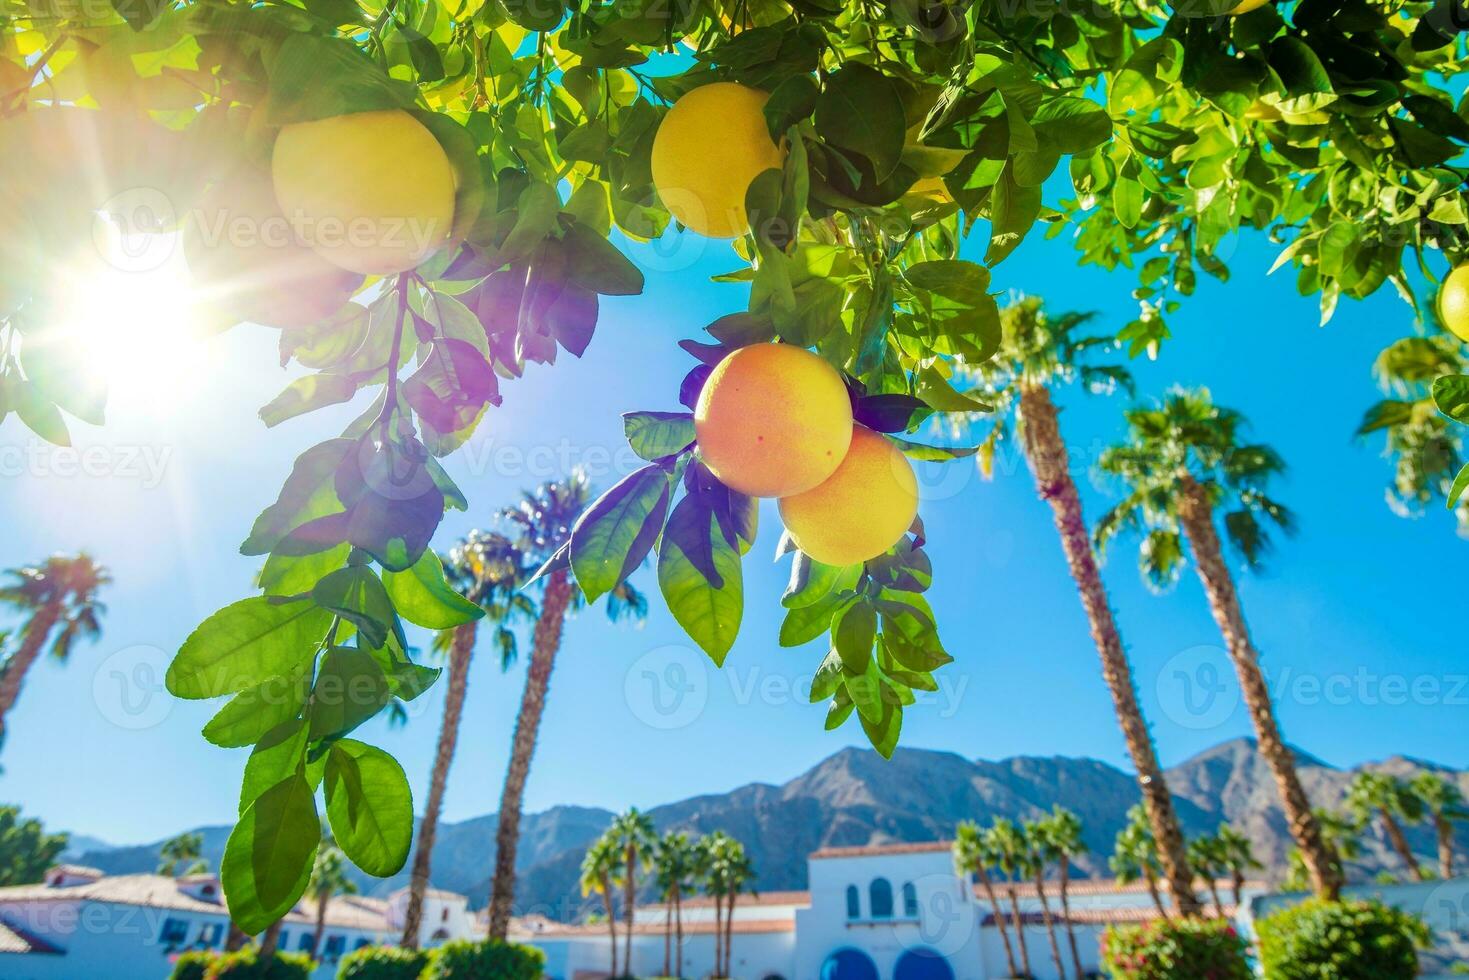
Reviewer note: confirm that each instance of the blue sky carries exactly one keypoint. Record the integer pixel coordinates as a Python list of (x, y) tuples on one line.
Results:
[(1356, 616)]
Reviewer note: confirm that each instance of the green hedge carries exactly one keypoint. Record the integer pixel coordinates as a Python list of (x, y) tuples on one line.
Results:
[(1176, 949), (246, 965), (191, 965), (382, 963), (1319, 940), (466, 960)]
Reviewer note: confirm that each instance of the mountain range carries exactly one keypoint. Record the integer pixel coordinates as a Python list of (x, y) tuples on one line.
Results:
[(856, 798)]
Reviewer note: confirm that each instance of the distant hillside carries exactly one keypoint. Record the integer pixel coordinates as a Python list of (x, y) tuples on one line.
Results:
[(855, 798)]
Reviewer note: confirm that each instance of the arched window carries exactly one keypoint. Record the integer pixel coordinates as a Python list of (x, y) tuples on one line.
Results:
[(910, 901), (854, 902), (881, 899)]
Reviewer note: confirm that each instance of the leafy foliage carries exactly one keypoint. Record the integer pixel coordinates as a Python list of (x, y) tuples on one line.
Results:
[(191, 965), (1346, 940), (248, 964), (26, 850), (1169, 948), (382, 963), (465, 959)]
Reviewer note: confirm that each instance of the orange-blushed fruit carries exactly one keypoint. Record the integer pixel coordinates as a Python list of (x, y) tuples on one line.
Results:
[(773, 420), (708, 149), (861, 510), (1453, 302)]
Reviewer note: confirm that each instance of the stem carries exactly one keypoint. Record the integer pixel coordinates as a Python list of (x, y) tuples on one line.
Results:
[(390, 397)]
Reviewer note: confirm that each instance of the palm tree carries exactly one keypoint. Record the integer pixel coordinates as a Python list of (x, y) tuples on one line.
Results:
[(1343, 832), (60, 591), (1443, 804), (727, 871), (1007, 844), (1387, 797), (1038, 352), (487, 569), (973, 856), (1423, 443), (1135, 856), (185, 849), (1238, 856), (1183, 459), (1039, 854), (542, 521), (1063, 834), (676, 863), (328, 878), (599, 868), (634, 833), (1206, 857)]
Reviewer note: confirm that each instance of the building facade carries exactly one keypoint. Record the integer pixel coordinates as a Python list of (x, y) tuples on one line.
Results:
[(79, 923)]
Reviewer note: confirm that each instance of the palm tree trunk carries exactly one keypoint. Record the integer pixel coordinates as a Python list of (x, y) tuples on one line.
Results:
[(1019, 931), (1051, 466), (1238, 884), (1214, 894), (611, 920), (1400, 844), (1197, 517), (1152, 881), (678, 929), (320, 932), (33, 638), (1445, 831), (999, 913), (546, 641), (1066, 914), (1040, 891), (460, 653), (734, 898), (235, 939), (629, 904), (270, 941), (718, 932), (667, 933)]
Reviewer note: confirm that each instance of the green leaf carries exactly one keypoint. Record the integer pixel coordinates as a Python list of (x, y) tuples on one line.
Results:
[(278, 755), (306, 394), (934, 454), (268, 858), (805, 623), (314, 77), (244, 644), (811, 581), (307, 494), (595, 263), (370, 806), (357, 595), (701, 578), (852, 635), (1451, 395), (1013, 209), (790, 102), (1461, 483), (861, 110), (1072, 125), (828, 677), (958, 280), (883, 731), (350, 688), (256, 710), (654, 435), (616, 533), (424, 597)]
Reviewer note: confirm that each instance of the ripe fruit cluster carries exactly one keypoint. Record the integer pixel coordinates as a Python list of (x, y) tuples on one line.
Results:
[(775, 420)]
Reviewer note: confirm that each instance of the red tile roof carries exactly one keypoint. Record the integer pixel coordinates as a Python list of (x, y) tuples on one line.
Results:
[(1092, 917), (13, 940), (874, 850), (697, 928), (758, 899)]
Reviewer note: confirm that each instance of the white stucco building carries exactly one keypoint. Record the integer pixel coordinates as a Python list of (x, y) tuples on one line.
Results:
[(80, 923), (896, 912)]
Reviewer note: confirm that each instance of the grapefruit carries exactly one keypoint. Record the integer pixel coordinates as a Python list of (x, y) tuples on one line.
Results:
[(371, 192), (247, 261), (1453, 302), (773, 420), (708, 149), (862, 509)]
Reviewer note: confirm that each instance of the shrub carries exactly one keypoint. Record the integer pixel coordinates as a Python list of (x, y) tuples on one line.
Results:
[(191, 965), (1176, 949), (467, 960), (1318, 940), (246, 965), (382, 963)]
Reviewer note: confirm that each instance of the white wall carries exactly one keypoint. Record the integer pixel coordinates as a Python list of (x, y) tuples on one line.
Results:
[(755, 956)]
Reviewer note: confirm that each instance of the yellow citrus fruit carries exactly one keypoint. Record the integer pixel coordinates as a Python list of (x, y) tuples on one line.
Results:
[(1245, 6), (710, 146), (773, 420), (372, 192), (1263, 111), (862, 509), (247, 261), (1453, 302)]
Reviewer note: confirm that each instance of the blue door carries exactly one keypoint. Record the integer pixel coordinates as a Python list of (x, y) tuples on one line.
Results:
[(848, 964), (922, 964)]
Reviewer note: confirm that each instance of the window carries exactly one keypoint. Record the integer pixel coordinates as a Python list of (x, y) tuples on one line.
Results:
[(335, 947), (854, 903), (175, 931), (211, 934), (283, 940), (444, 915), (910, 901), (880, 897), (362, 944), (304, 946)]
